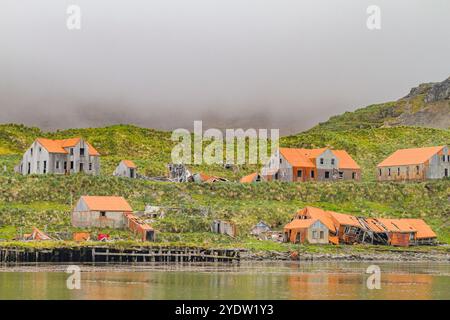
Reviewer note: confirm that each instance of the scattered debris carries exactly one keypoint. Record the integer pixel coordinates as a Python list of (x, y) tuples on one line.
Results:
[(259, 228), (139, 227), (203, 178), (154, 212), (81, 236), (178, 173), (103, 237), (37, 235)]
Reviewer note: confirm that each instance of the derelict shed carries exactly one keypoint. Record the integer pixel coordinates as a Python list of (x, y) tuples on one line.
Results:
[(311, 231), (101, 212), (126, 168), (259, 228)]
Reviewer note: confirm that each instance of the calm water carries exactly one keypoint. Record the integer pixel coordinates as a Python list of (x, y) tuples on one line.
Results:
[(319, 280)]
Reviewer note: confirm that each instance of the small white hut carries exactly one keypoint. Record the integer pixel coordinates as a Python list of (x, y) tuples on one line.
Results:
[(126, 168)]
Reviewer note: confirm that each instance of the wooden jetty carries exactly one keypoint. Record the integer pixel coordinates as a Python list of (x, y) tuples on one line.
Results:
[(117, 255)]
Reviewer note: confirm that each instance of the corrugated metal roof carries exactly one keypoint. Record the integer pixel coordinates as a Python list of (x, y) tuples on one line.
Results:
[(57, 146), (423, 229), (129, 164), (107, 203), (412, 156), (345, 219), (396, 225), (298, 157)]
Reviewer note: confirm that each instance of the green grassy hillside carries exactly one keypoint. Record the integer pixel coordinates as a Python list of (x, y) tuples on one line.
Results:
[(46, 201)]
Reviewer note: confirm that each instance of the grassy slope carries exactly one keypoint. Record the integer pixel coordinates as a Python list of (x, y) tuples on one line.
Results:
[(26, 201)]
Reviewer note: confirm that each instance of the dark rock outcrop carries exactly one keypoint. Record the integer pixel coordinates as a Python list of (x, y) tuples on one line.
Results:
[(438, 91)]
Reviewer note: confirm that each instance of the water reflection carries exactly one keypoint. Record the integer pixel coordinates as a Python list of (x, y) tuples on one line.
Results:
[(324, 280)]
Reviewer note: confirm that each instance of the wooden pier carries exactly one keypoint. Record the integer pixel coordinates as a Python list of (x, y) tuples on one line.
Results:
[(116, 255)]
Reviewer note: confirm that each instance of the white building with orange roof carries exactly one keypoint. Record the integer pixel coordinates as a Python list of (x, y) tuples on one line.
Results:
[(126, 168), (415, 164), (297, 165), (63, 156), (101, 212)]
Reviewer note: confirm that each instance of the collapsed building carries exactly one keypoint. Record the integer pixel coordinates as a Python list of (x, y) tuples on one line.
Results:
[(307, 226)]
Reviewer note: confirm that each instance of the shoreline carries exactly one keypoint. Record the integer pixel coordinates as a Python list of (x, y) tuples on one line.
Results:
[(187, 254), (400, 256)]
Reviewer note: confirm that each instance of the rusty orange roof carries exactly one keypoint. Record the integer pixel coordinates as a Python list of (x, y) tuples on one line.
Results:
[(298, 157), (300, 223), (209, 179), (396, 225), (129, 163), (250, 178), (317, 213), (52, 146), (374, 225), (71, 142), (106, 203), (423, 229), (92, 150), (403, 157), (345, 219), (345, 160), (57, 146)]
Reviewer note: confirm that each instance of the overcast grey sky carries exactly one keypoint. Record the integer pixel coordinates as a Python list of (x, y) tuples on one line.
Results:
[(233, 63)]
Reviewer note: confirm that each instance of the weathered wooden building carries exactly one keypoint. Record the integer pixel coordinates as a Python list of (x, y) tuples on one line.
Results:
[(109, 212), (59, 157), (101, 212), (126, 168), (415, 164), (224, 227), (312, 231), (297, 165)]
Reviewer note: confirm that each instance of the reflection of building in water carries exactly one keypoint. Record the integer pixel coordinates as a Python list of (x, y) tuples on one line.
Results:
[(324, 286), (399, 286), (354, 286)]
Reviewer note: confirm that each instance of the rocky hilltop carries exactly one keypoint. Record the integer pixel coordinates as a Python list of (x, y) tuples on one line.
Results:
[(427, 105)]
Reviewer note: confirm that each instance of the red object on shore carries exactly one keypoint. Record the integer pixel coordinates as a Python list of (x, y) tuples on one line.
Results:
[(102, 237)]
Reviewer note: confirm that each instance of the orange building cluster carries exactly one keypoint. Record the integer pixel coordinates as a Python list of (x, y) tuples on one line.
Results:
[(324, 164), (314, 225)]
